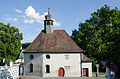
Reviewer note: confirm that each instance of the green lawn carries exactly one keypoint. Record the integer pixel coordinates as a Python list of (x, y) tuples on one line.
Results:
[(99, 72)]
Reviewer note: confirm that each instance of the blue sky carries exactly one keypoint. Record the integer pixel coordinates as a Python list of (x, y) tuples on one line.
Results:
[(28, 15)]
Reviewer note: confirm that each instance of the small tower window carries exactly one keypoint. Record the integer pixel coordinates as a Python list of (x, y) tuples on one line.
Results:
[(47, 69), (48, 22), (48, 56), (31, 67), (51, 23), (31, 56)]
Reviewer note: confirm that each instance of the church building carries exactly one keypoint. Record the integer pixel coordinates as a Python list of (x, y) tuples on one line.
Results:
[(54, 54)]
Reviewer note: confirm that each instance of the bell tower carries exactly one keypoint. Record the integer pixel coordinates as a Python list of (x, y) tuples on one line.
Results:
[(48, 23)]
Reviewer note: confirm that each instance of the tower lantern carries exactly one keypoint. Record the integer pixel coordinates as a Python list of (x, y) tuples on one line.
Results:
[(48, 23)]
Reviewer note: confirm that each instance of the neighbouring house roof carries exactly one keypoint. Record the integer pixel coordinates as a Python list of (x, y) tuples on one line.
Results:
[(85, 58), (58, 41)]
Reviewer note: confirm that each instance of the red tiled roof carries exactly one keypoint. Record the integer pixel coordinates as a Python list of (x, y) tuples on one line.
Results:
[(58, 41)]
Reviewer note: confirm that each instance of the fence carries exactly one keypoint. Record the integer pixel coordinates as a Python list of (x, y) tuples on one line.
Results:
[(7, 72)]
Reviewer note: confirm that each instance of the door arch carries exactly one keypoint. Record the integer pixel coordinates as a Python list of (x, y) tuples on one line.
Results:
[(61, 72)]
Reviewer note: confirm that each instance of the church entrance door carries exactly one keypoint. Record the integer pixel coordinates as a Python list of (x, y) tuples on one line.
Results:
[(61, 72)]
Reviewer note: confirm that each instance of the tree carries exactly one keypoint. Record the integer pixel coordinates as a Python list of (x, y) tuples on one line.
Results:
[(10, 42), (21, 58), (100, 35), (25, 45)]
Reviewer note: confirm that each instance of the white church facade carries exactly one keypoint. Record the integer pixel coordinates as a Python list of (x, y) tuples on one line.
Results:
[(54, 54)]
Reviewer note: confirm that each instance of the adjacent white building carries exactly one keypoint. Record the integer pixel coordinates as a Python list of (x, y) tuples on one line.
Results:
[(54, 54)]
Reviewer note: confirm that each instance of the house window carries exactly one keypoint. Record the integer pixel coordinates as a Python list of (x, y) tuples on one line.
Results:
[(31, 67), (31, 56), (47, 69), (48, 56), (67, 67), (66, 56)]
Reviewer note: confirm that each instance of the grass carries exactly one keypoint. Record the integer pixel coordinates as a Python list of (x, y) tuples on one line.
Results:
[(99, 72)]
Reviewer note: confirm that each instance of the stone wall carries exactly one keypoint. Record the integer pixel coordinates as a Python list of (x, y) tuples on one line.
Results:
[(89, 66)]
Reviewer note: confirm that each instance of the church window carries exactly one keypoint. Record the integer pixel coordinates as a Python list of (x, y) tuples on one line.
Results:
[(47, 69), (31, 56), (66, 56), (48, 56), (31, 67)]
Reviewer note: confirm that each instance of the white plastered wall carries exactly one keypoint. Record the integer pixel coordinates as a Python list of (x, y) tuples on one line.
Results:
[(58, 60), (37, 64), (89, 66)]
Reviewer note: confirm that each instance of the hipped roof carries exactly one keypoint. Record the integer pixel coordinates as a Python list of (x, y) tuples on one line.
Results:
[(58, 41)]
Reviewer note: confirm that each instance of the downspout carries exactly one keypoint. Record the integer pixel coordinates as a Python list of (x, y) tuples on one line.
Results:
[(81, 63)]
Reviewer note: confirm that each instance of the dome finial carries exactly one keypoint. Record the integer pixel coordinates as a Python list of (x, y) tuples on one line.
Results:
[(48, 10)]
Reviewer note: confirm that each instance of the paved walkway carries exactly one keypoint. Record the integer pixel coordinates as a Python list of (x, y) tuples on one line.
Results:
[(35, 77)]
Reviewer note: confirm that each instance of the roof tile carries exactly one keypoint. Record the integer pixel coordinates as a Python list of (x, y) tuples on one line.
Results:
[(85, 58), (58, 41)]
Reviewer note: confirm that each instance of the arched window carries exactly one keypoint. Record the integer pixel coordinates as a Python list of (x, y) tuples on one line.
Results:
[(47, 69), (31, 67)]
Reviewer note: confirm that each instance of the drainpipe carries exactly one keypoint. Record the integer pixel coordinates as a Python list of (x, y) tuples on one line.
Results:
[(81, 63)]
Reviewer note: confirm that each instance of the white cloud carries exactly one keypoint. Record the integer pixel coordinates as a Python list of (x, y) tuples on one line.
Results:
[(23, 16), (17, 10), (31, 13), (13, 19), (29, 21), (56, 23)]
